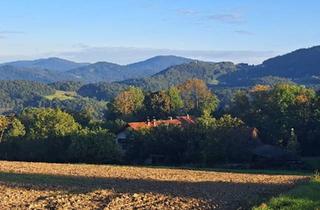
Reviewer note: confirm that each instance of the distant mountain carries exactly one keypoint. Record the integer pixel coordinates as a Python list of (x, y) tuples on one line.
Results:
[(102, 90), (301, 66), (174, 75), (56, 69), (54, 64), (297, 64), (101, 71), (109, 72), (20, 73), (155, 65)]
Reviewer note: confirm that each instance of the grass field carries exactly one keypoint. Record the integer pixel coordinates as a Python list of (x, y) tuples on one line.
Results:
[(79, 186), (62, 95), (304, 197)]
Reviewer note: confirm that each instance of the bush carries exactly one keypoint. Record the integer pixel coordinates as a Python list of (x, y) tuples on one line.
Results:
[(94, 146)]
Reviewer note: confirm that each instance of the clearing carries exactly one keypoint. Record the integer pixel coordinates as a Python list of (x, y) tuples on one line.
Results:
[(80, 186), (62, 95)]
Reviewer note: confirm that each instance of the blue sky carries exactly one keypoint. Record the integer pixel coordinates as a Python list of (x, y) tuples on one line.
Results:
[(125, 31)]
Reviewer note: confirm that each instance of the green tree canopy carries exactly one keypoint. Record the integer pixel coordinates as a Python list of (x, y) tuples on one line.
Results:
[(42, 123), (94, 146), (129, 101), (197, 97), (276, 110), (158, 104), (176, 102)]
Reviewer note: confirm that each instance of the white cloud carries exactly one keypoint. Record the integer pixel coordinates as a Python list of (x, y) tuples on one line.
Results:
[(244, 32), (231, 18)]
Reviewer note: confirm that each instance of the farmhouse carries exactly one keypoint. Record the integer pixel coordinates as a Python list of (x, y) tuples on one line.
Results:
[(122, 136)]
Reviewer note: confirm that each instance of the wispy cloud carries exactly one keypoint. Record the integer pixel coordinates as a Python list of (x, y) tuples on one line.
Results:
[(244, 32), (231, 18), (5, 32), (228, 18), (186, 12)]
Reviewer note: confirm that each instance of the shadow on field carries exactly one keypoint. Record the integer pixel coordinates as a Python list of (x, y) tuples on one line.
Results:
[(243, 194)]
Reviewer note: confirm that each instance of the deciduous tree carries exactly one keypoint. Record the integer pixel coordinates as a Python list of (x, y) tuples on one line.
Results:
[(129, 101), (197, 97)]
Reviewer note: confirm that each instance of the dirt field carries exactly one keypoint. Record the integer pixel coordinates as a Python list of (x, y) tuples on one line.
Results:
[(66, 186)]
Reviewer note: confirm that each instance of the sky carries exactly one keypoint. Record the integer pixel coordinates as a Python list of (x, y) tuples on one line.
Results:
[(126, 31)]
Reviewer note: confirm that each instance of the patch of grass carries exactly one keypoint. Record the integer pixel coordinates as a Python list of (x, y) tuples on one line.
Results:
[(303, 197), (62, 95), (241, 171)]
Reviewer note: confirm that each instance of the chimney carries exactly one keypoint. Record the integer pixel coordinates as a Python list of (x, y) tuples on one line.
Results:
[(170, 118), (148, 121), (188, 117), (154, 121)]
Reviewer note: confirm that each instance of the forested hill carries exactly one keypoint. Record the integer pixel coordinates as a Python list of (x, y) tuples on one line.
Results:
[(301, 66), (109, 72), (8, 72), (18, 95), (54, 64), (101, 71), (175, 75), (56, 69), (154, 65)]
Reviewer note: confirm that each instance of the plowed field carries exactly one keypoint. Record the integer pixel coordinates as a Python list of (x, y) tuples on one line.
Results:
[(78, 186)]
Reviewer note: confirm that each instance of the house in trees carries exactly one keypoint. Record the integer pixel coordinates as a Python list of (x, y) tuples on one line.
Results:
[(122, 136), (265, 156)]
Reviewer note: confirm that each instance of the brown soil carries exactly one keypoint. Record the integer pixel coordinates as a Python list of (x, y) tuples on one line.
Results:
[(71, 186)]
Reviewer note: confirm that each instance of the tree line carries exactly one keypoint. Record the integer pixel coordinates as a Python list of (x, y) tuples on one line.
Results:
[(285, 115)]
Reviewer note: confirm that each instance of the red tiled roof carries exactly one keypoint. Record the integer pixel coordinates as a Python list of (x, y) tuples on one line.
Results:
[(187, 119), (178, 121)]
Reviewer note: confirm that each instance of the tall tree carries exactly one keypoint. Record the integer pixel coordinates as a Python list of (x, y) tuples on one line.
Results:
[(42, 123), (129, 101), (15, 129), (176, 102), (158, 104), (4, 123), (10, 127), (197, 97)]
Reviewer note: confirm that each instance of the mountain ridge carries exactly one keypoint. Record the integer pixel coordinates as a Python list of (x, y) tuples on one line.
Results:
[(51, 63), (300, 66)]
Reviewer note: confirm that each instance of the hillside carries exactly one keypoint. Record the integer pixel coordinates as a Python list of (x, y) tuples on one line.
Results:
[(101, 71), (154, 65), (55, 64), (301, 66), (56, 69), (17, 95), (174, 75), (109, 72), (8, 72), (102, 90)]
